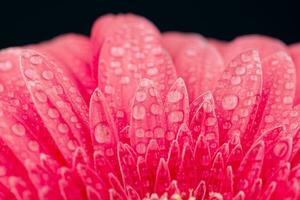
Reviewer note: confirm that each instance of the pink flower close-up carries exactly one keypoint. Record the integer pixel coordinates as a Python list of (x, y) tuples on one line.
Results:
[(132, 113)]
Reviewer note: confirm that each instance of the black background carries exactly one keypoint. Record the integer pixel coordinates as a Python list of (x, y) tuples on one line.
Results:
[(25, 21)]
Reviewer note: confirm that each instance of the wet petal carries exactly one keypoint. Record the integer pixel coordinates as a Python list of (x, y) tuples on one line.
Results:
[(197, 62), (131, 51), (58, 102), (236, 94)]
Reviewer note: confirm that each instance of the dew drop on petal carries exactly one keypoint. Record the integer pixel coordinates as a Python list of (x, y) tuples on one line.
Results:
[(138, 112), (175, 116), (287, 100), (140, 133), (289, 85), (18, 129), (48, 75), (71, 145), (174, 96), (155, 109), (63, 128), (36, 60), (117, 51), (210, 121), (33, 146), (140, 96), (141, 148), (229, 102), (102, 133), (53, 113), (269, 118), (240, 70), (236, 80)]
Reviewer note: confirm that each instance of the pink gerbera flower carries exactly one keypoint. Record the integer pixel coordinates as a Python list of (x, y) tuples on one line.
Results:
[(130, 113)]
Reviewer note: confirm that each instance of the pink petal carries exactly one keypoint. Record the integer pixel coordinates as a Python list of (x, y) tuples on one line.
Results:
[(278, 90), (74, 53), (58, 102), (197, 62), (147, 119), (176, 108), (236, 94), (203, 120), (250, 167), (265, 46), (163, 178), (131, 51), (103, 128), (19, 114), (294, 51), (128, 166)]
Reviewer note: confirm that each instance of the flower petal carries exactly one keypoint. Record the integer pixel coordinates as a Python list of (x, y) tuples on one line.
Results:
[(197, 62), (236, 95), (147, 119), (278, 90), (203, 120), (131, 51), (58, 102), (74, 52), (176, 108), (265, 46)]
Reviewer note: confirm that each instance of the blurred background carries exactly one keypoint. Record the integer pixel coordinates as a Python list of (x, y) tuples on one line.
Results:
[(23, 22)]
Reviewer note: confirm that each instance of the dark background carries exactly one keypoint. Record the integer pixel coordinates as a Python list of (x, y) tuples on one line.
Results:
[(25, 21)]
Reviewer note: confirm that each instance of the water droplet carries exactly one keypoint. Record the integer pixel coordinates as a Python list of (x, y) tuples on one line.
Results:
[(138, 112), (287, 100), (141, 148), (5, 66), (74, 119), (140, 96), (146, 82), (41, 96), (140, 132), (109, 89), (48, 75), (33, 146), (236, 80), (155, 109), (229, 102), (117, 51), (63, 128), (159, 132), (31, 74), (102, 133), (36, 60), (18, 129), (120, 114), (53, 113), (152, 71), (280, 149), (210, 121), (289, 85), (207, 107), (175, 116), (240, 70), (71, 145), (174, 96)]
